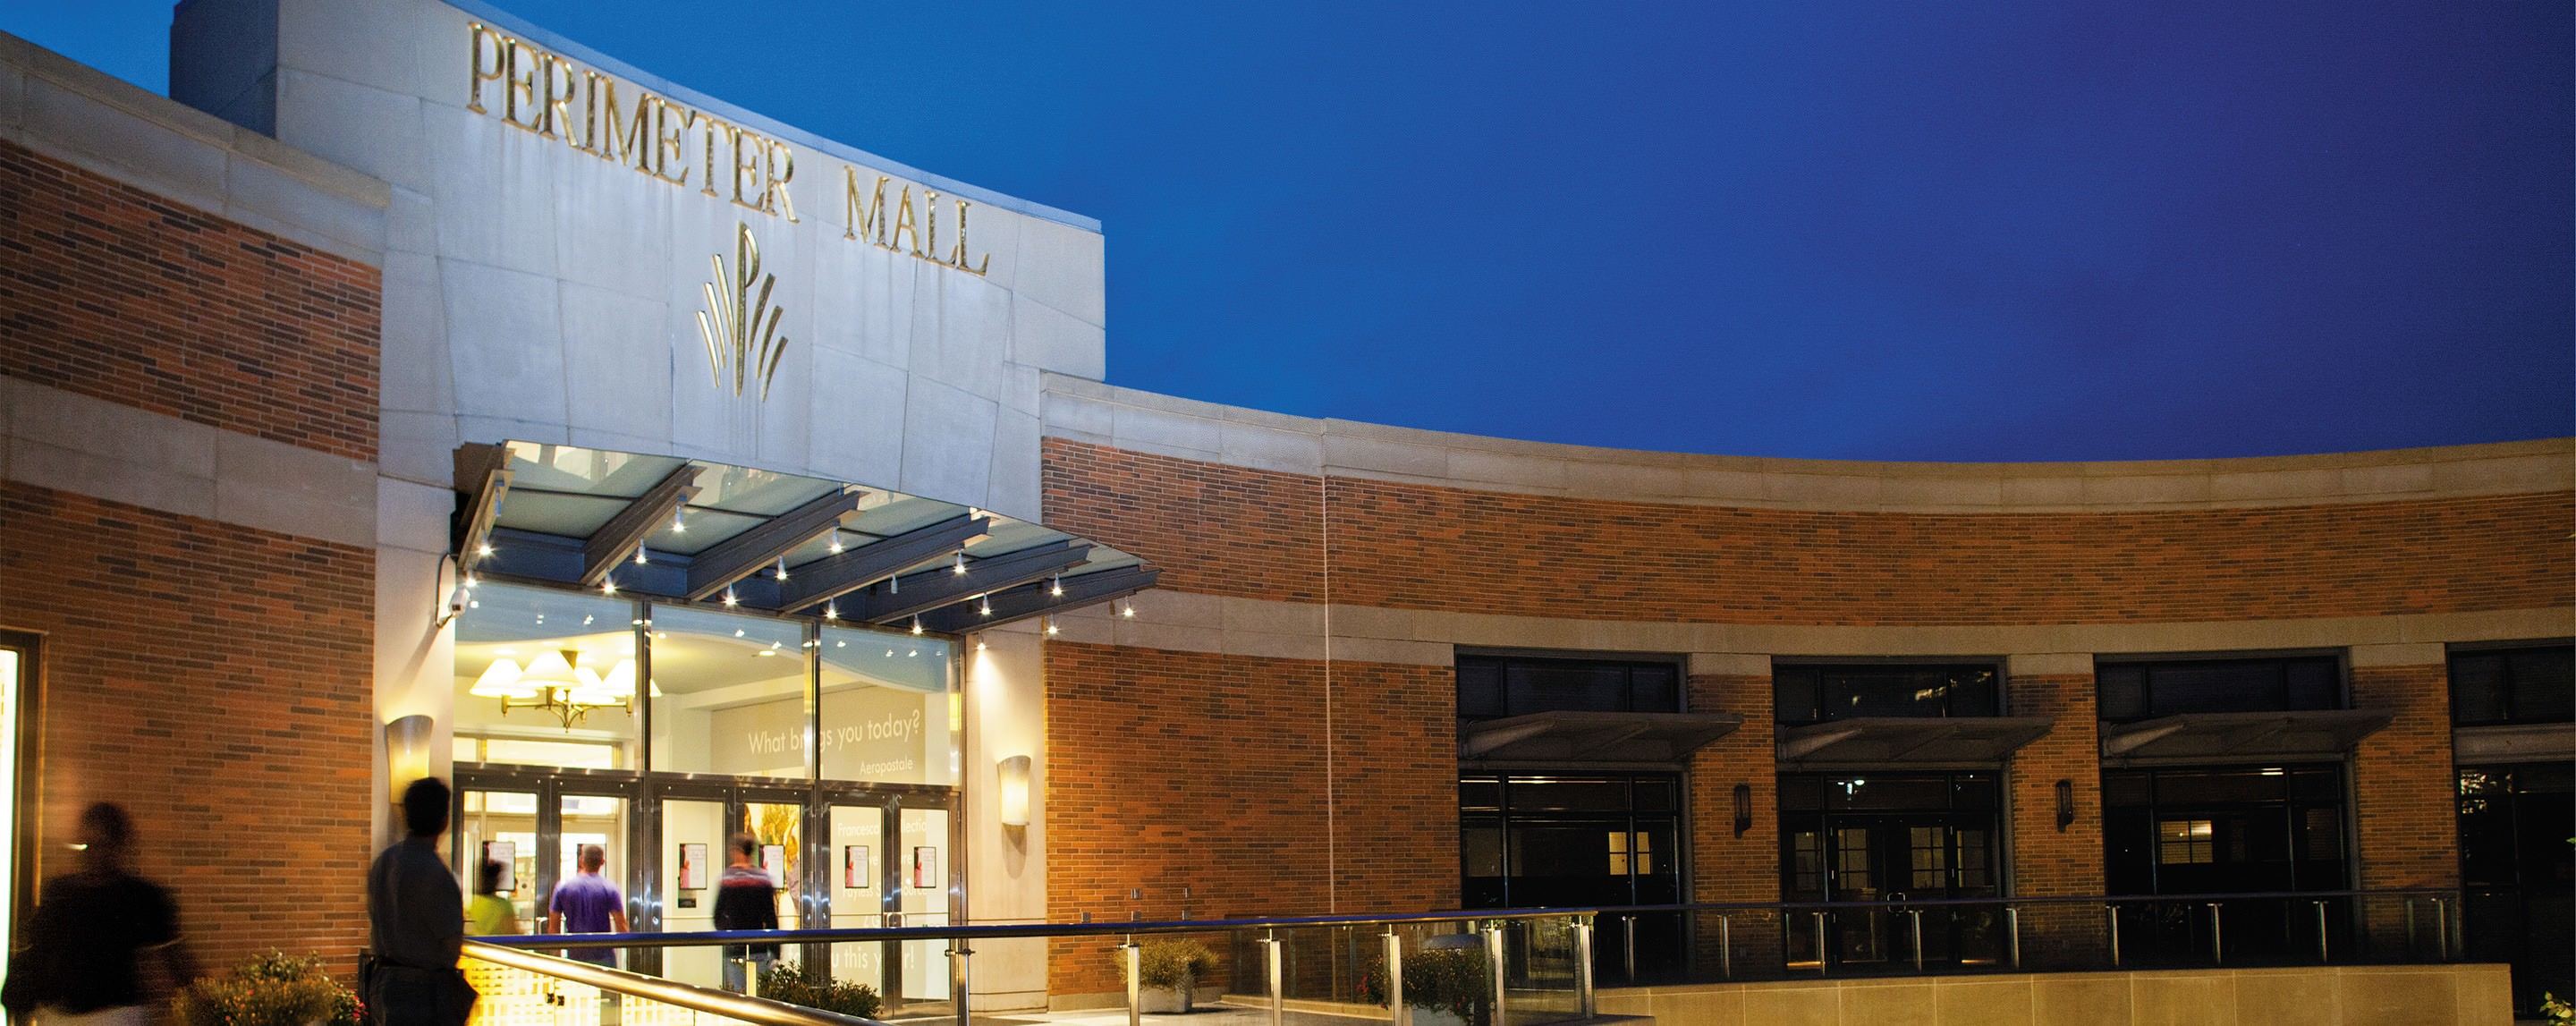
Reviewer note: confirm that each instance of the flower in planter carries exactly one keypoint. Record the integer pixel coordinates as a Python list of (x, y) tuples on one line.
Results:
[(1170, 964), (1453, 980), (274, 989), (786, 981)]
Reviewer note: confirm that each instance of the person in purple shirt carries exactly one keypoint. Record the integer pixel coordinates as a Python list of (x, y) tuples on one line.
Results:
[(588, 903)]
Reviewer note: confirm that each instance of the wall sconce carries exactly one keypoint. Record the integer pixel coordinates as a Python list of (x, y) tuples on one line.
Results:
[(2065, 804), (406, 752), (1014, 774), (1743, 808)]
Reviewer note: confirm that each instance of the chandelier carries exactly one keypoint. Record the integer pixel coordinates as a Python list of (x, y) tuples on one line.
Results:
[(555, 683)]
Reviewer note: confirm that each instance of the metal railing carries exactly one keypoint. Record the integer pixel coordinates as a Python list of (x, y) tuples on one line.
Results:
[(1543, 964), (518, 988)]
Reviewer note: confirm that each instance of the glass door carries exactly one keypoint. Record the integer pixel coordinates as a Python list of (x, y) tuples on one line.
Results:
[(693, 857), (498, 825), (595, 872), (921, 890), (860, 862)]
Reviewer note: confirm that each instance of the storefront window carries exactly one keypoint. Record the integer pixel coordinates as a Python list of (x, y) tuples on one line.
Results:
[(728, 694), (889, 708), (546, 678)]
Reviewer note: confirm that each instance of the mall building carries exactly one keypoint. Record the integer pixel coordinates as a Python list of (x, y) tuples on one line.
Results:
[(416, 391)]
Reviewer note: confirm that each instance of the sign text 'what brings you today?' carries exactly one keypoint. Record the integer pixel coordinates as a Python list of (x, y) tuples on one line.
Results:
[(538, 91)]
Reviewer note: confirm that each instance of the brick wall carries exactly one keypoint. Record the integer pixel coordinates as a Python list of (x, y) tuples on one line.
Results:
[(2405, 816), (214, 680), (1174, 770), (116, 293), (1414, 546), (2049, 860), (1724, 866)]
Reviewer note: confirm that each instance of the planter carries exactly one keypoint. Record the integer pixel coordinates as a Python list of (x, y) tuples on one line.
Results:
[(1165, 1000), (1436, 1017)]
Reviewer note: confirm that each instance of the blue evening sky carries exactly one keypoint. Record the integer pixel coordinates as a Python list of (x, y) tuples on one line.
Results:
[(2014, 230)]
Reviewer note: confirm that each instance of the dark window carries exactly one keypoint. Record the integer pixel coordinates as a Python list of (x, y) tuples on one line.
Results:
[(1814, 692), (1492, 686), (2521, 685), (2203, 831), (2144, 690)]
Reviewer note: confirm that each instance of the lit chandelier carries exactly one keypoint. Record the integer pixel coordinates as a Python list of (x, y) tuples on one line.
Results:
[(555, 683)]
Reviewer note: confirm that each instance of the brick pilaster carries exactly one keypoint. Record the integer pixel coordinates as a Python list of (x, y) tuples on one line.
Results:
[(2049, 860), (2404, 813), (1724, 866)]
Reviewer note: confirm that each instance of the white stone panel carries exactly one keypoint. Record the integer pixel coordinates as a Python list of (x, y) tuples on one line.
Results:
[(617, 373), (417, 446), (183, 167), (973, 332), (1061, 266), (612, 227), (947, 443), (291, 490), (858, 419), (1013, 489), (411, 223), (110, 478), (494, 192), (368, 130), (1196, 437), (505, 339), (389, 45), (1046, 337), (413, 516), (416, 374)]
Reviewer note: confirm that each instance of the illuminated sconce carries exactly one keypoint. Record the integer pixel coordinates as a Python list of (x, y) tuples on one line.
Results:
[(2065, 804), (406, 752), (1743, 808), (1014, 774)]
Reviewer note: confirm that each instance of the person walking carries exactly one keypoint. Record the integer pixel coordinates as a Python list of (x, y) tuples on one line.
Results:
[(746, 899), (416, 923), (490, 914), (588, 903), (91, 929)]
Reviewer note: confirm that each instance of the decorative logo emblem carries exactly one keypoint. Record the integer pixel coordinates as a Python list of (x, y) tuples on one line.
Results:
[(743, 332)]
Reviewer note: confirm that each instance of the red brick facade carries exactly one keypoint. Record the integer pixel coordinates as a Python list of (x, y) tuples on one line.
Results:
[(115, 293), (196, 672), (1726, 866), (2050, 860), (1408, 546)]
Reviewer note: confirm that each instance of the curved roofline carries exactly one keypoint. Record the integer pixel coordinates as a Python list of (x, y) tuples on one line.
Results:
[(767, 125), (1090, 411)]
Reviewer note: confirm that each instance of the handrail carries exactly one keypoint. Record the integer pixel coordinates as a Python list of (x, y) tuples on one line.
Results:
[(714, 1002), (1117, 928)]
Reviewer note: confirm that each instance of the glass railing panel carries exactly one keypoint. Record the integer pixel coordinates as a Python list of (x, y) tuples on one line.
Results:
[(1541, 971)]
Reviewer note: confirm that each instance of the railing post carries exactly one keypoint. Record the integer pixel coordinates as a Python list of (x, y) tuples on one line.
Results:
[(1494, 955), (2322, 956), (1628, 946), (1823, 957), (1396, 1008), (1725, 948), (2442, 928), (2410, 928), (1583, 999), (2112, 913), (1916, 915), (961, 983), (1135, 955), (2012, 933), (1278, 979), (2217, 937)]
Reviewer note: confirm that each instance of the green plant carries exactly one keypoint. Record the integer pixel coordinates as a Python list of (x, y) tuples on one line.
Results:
[(786, 981), (1169, 964), (1454, 980), (275, 989), (2556, 1011)]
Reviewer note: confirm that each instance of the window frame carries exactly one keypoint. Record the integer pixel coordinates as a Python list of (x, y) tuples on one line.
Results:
[(1506, 659), (1817, 713), (2508, 690), (2338, 666)]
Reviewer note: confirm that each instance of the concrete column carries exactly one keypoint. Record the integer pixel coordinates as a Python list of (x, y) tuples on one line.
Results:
[(1006, 865)]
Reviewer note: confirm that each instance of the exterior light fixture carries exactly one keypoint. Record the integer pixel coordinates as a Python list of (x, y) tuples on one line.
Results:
[(678, 526), (1743, 808), (640, 558), (1051, 629), (2065, 803), (1014, 793), (1127, 608), (1056, 589), (407, 748), (984, 604), (831, 610), (836, 543), (484, 549), (782, 568), (607, 587), (916, 623), (729, 600), (959, 568)]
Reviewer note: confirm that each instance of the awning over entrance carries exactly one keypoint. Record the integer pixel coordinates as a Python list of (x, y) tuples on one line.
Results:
[(1595, 736), (1910, 739), (2242, 735), (690, 530)]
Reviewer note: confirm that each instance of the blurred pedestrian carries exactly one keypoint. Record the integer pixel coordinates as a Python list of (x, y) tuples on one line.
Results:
[(416, 922), (91, 929), (588, 903), (490, 914), (746, 899)]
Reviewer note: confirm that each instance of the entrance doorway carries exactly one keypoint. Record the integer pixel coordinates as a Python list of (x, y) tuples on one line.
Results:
[(1891, 839), (1575, 841)]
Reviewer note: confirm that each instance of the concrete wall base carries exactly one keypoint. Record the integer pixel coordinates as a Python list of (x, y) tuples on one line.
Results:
[(2471, 995)]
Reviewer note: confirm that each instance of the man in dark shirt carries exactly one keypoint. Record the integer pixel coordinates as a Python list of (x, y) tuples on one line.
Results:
[(416, 922), (746, 899), (90, 929)]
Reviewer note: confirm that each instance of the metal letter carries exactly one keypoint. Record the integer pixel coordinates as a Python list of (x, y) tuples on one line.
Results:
[(957, 257), (515, 85), (903, 223), (864, 221), (780, 167), (666, 140), (475, 71)]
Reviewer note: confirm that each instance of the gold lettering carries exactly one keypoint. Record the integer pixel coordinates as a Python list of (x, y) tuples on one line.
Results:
[(476, 72), (930, 239), (632, 144), (760, 186), (517, 86), (779, 167), (866, 222), (552, 118), (666, 151), (957, 258), (707, 148), (903, 223)]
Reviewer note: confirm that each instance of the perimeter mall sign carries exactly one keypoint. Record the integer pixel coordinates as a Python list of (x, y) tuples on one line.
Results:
[(544, 93)]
